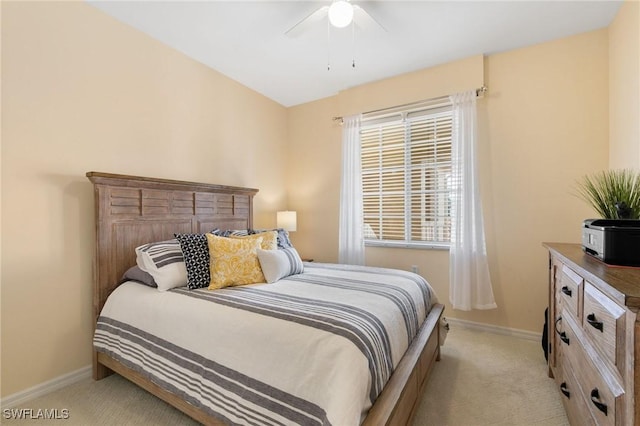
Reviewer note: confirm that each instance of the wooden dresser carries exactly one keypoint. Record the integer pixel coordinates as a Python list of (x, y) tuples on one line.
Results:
[(594, 337)]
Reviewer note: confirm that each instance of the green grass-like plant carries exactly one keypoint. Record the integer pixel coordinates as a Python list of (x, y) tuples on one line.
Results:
[(614, 194)]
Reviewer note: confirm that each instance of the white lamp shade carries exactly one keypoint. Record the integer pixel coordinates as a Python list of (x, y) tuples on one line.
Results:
[(287, 220), (340, 13)]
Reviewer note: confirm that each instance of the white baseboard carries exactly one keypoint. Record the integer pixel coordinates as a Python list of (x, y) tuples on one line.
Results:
[(471, 325), (46, 387)]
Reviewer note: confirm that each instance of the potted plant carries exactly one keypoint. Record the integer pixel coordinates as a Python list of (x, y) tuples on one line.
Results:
[(614, 194)]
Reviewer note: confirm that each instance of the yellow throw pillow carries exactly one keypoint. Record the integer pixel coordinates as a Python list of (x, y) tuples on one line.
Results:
[(233, 261), (269, 239)]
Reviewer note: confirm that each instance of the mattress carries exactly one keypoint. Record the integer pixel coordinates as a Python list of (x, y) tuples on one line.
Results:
[(314, 348)]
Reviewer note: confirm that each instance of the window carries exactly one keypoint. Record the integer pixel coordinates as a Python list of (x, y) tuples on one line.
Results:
[(406, 177)]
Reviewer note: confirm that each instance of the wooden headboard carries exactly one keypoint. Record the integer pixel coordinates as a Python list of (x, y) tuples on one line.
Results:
[(131, 211)]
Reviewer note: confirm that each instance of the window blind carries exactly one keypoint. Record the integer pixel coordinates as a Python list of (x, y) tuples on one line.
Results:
[(406, 177)]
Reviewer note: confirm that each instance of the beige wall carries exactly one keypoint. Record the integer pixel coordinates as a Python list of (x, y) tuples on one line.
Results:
[(84, 92), (313, 177), (543, 124), (624, 87)]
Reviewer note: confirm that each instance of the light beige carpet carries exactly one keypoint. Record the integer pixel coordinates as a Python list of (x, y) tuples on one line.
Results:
[(487, 379), (482, 379)]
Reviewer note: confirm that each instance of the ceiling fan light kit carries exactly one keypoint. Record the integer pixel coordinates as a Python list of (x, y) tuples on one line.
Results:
[(340, 13)]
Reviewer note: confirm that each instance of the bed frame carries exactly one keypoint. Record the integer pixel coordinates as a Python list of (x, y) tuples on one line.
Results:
[(131, 211)]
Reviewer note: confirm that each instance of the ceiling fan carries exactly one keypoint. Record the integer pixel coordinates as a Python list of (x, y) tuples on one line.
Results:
[(341, 13)]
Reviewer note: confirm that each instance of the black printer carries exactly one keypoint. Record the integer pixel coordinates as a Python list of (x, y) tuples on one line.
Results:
[(614, 241)]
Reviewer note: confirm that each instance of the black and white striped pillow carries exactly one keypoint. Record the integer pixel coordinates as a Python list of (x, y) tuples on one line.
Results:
[(164, 262), (278, 264), (231, 232)]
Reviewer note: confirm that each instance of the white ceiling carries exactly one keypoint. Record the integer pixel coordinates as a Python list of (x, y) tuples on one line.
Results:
[(246, 41)]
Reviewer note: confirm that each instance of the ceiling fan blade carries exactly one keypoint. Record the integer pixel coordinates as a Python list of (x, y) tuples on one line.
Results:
[(307, 22), (363, 19)]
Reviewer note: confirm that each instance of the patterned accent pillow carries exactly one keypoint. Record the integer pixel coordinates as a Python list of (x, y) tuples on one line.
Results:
[(278, 264), (269, 239), (164, 262), (234, 261), (195, 250), (283, 236)]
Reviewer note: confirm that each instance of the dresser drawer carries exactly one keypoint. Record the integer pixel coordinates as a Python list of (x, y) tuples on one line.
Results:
[(600, 389), (604, 323), (569, 291), (573, 397)]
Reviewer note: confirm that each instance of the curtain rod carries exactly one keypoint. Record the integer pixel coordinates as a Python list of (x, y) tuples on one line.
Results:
[(479, 93)]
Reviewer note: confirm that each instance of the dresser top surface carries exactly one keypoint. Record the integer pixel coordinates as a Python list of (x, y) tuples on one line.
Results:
[(623, 279)]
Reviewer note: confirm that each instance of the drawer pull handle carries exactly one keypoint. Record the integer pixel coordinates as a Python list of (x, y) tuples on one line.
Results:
[(556, 324), (566, 290), (562, 334), (595, 398), (591, 319), (564, 390)]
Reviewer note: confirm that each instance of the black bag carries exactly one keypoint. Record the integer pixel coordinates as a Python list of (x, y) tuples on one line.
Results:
[(545, 336)]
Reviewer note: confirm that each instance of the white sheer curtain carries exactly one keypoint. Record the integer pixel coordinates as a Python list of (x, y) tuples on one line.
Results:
[(350, 237), (469, 280)]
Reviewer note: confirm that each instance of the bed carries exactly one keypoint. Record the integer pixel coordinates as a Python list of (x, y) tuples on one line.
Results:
[(344, 379)]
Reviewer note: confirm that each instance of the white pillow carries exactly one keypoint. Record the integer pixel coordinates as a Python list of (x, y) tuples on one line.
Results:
[(278, 264), (164, 262)]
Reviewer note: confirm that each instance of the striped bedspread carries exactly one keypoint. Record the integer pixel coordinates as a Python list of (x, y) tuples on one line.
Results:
[(314, 348)]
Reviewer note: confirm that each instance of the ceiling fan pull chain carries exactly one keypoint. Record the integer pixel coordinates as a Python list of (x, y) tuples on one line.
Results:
[(353, 43), (328, 45)]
